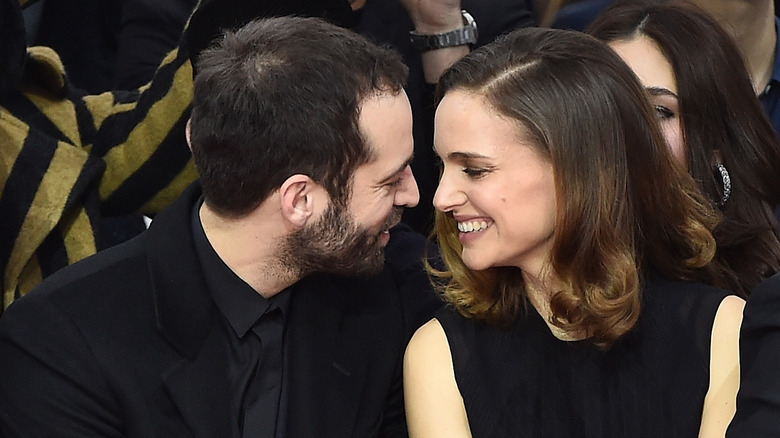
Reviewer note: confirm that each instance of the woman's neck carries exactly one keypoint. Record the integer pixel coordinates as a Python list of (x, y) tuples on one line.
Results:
[(540, 289), (752, 25)]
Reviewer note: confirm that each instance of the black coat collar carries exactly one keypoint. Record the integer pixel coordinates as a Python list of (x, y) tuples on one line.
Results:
[(185, 310)]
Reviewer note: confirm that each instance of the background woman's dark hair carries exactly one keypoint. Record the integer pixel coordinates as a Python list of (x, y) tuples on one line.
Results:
[(623, 206), (719, 112), (281, 96)]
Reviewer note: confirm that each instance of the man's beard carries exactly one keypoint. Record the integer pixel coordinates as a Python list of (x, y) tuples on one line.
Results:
[(335, 244)]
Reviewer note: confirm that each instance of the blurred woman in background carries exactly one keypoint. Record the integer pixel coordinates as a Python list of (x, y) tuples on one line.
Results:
[(712, 121)]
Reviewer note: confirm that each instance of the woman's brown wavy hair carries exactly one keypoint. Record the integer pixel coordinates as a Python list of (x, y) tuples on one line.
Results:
[(624, 206), (719, 112)]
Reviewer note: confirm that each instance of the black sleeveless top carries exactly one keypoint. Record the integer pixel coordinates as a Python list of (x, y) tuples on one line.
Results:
[(524, 382)]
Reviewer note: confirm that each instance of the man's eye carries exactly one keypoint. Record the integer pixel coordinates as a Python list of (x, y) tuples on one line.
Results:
[(663, 112), (395, 183)]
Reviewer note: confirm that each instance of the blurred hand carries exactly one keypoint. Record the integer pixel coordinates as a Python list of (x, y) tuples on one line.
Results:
[(434, 16), (357, 4)]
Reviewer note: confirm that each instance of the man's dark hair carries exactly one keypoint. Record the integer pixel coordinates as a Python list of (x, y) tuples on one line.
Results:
[(282, 96)]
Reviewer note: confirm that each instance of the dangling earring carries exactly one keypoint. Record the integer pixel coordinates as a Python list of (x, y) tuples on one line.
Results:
[(724, 174)]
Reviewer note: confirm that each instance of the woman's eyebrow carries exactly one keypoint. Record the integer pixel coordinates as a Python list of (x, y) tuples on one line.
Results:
[(660, 91)]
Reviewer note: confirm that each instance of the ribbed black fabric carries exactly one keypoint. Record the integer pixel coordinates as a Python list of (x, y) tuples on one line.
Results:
[(525, 382)]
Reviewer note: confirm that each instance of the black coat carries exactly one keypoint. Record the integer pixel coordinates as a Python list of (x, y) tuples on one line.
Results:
[(131, 346), (758, 400)]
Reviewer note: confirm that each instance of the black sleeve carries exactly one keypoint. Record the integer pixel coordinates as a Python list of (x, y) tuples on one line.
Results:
[(758, 400), (149, 30)]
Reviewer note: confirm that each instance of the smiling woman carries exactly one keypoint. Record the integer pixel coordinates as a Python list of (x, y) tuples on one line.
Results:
[(493, 175), (712, 121), (575, 255)]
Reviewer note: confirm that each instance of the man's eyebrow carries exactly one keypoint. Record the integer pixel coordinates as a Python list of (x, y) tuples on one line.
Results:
[(397, 171), (660, 91)]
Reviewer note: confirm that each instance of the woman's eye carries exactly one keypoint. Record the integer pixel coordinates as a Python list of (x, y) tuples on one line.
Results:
[(663, 112), (474, 172)]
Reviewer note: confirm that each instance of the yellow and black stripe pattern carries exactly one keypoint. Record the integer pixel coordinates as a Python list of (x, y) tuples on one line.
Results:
[(68, 159)]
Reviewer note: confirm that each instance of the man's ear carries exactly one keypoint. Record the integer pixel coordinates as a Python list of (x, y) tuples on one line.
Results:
[(187, 133), (300, 197)]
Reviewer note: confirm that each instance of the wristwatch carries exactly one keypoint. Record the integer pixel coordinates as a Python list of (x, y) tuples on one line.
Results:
[(458, 37)]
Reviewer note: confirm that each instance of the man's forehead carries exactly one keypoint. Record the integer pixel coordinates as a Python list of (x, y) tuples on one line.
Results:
[(386, 127)]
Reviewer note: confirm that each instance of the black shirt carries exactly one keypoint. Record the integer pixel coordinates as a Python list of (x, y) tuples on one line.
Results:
[(255, 331)]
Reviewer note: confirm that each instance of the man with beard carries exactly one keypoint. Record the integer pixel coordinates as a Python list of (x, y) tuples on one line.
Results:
[(259, 303)]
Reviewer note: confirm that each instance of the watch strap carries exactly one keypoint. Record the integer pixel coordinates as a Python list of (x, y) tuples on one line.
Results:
[(461, 36)]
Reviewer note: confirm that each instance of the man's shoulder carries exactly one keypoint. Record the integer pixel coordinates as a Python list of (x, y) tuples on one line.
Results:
[(97, 278), (90, 302), (369, 303), (359, 291)]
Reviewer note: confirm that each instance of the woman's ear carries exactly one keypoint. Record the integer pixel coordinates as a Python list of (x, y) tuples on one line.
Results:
[(716, 158), (187, 133), (300, 198), (720, 170)]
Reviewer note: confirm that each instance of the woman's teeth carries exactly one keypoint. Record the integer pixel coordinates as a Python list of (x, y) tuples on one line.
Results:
[(468, 227)]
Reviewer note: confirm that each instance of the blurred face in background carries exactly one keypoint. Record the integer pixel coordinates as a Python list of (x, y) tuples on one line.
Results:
[(656, 74)]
